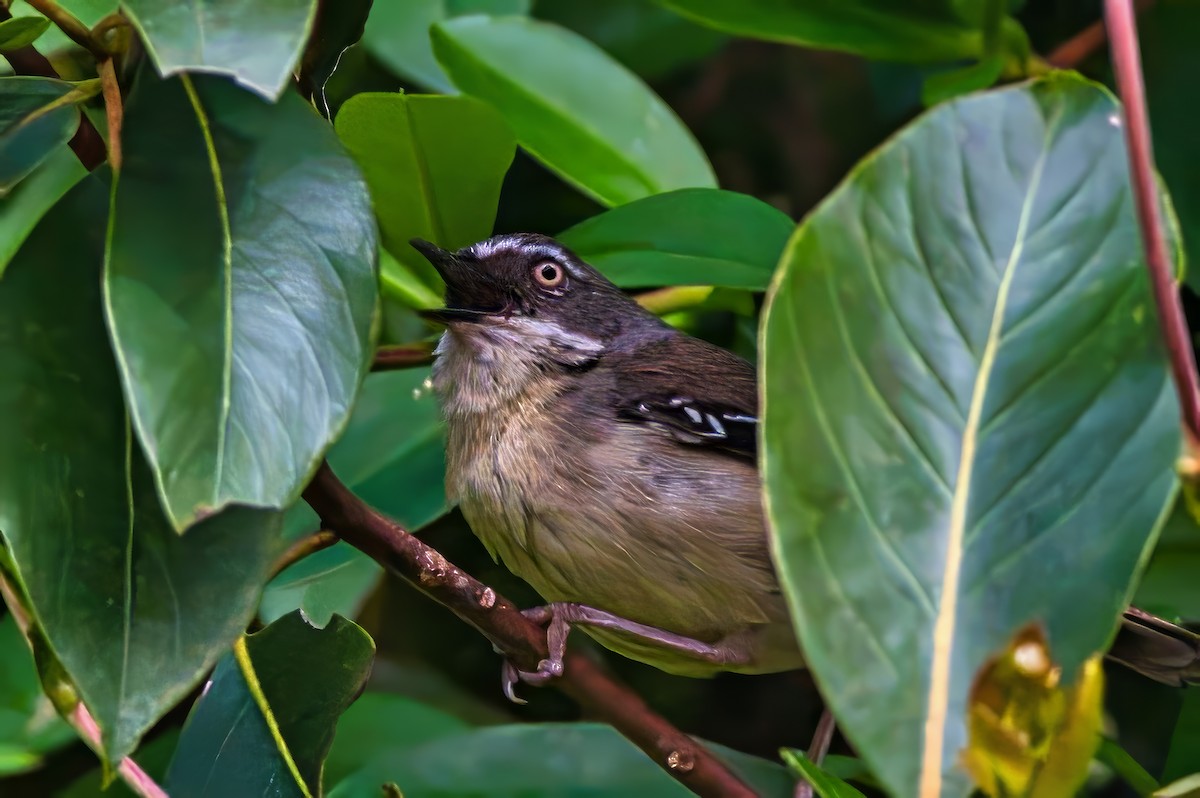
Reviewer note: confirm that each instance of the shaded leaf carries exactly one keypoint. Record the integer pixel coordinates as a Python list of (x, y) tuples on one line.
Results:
[(1110, 753), (37, 116), (647, 38), (398, 34), (153, 757), (33, 196), (127, 606), (686, 237), (257, 42), (338, 27), (21, 32), (241, 290), (1168, 586), (29, 725), (924, 31), (963, 80), (574, 108), (392, 455), (588, 759), (434, 166), (266, 720), (1184, 752), (964, 391), (825, 784)]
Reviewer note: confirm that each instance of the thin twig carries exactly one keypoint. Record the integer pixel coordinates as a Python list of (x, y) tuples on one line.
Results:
[(305, 546), (87, 144), (1127, 67), (113, 109), (138, 781), (1074, 51), (521, 640), (391, 358), (69, 24)]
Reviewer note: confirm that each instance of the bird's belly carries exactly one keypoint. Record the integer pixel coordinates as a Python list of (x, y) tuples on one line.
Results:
[(618, 539)]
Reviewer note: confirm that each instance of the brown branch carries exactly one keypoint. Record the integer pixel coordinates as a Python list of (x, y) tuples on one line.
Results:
[(391, 358), (1074, 51), (138, 781), (87, 143), (521, 640), (1127, 67), (114, 110)]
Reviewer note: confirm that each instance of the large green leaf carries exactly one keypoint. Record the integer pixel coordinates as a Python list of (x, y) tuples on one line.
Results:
[(37, 115), (134, 612), (1168, 586), (338, 27), (918, 30), (265, 722), (33, 196), (536, 760), (968, 424), (29, 725), (573, 107), (398, 34), (434, 166), (241, 290), (691, 236), (257, 42), (393, 456)]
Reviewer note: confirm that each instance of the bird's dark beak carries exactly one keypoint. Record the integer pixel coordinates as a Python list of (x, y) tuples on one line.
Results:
[(466, 288)]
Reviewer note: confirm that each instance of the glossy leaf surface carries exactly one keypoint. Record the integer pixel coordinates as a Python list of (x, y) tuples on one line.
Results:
[(968, 420), (514, 761), (126, 604), (266, 721), (257, 42), (926, 30), (573, 107), (21, 210), (398, 34), (36, 117), (434, 166), (241, 290), (393, 456), (688, 237), (21, 31)]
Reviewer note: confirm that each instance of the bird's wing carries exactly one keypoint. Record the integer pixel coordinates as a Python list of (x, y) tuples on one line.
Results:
[(699, 393)]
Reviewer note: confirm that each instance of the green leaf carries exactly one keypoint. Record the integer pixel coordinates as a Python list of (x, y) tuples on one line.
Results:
[(29, 725), (1184, 752), (533, 760), (964, 80), (434, 166), (1187, 787), (338, 27), (648, 39), (922, 31), (393, 456), (241, 290), (381, 725), (398, 34), (89, 12), (826, 785), (37, 115), (21, 32), (1168, 586), (968, 422), (1125, 766), (135, 613), (687, 237), (153, 757), (265, 722), (574, 108), (33, 196), (256, 42)]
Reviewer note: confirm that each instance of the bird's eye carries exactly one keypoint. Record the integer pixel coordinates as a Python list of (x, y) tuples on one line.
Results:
[(548, 274)]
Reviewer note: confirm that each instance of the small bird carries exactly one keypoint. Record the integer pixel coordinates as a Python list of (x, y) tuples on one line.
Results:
[(610, 461)]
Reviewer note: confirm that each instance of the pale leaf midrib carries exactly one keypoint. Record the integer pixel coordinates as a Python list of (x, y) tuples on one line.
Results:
[(932, 763), (242, 654), (227, 264)]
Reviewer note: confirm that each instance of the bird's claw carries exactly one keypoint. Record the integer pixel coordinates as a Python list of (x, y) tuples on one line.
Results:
[(549, 668)]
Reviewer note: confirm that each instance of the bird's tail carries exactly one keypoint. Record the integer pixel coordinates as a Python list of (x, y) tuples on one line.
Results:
[(1157, 649)]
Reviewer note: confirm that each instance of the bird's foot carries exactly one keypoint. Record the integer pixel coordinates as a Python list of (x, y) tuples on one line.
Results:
[(558, 627)]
